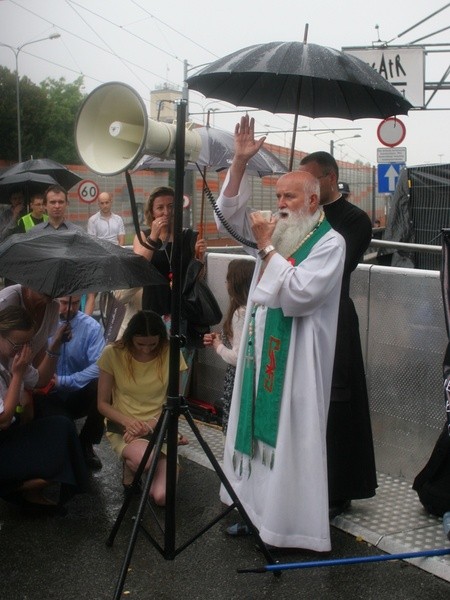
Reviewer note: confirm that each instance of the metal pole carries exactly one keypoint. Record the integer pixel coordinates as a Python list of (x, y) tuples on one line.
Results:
[(16, 51), (19, 133), (346, 561), (332, 147)]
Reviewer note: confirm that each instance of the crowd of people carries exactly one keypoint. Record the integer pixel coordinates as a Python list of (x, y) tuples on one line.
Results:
[(295, 405)]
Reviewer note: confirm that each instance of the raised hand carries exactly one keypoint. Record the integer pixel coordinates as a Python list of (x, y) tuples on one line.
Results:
[(244, 139)]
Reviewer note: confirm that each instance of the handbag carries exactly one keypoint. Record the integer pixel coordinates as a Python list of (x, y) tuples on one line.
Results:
[(198, 304)]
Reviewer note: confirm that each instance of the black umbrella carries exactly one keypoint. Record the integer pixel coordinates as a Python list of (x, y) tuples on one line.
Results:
[(46, 166), (216, 153), (63, 263), (28, 183), (300, 79)]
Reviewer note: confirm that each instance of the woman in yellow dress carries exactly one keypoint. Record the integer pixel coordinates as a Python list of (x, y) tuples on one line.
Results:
[(132, 389)]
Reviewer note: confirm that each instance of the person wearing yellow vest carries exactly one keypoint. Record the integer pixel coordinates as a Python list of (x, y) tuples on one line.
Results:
[(35, 216)]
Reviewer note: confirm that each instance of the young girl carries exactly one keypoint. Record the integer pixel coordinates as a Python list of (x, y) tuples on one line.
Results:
[(226, 344), (132, 389)]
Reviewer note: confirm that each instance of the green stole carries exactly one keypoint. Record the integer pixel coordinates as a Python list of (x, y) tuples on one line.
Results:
[(259, 413)]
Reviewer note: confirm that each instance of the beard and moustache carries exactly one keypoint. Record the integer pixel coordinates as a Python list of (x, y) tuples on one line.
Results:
[(290, 231)]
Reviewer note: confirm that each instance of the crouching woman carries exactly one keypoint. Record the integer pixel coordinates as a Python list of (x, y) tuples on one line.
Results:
[(132, 389), (37, 454)]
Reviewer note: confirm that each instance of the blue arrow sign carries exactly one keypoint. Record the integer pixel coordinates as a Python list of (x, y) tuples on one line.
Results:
[(388, 174)]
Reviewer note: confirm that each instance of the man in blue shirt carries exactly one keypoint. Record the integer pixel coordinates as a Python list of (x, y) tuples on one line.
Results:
[(74, 390)]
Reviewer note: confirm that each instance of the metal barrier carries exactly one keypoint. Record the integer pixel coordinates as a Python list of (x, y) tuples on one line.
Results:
[(404, 339)]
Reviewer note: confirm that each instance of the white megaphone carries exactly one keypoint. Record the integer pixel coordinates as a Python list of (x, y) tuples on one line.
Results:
[(113, 131)]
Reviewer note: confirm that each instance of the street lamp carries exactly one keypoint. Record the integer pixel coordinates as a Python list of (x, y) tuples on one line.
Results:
[(279, 130), (357, 135), (16, 52)]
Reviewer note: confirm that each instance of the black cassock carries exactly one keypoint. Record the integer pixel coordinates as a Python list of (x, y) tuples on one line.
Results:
[(351, 459)]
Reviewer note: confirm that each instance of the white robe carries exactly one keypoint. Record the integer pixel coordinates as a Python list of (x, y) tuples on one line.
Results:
[(289, 503)]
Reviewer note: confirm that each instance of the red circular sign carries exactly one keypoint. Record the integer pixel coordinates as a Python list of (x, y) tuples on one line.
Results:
[(88, 191), (391, 132)]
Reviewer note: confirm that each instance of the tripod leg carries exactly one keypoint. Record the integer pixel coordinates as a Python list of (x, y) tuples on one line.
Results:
[(136, 479), (171, 485), (218, 469), (140, 513)]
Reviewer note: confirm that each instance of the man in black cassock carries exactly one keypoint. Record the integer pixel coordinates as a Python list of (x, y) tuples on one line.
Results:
[(350, 453)]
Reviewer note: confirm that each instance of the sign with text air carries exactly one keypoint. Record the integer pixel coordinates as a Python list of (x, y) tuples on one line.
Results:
[(403, 67)]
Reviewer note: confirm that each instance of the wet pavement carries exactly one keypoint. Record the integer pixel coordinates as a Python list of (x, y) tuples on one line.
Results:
[(67, 557)]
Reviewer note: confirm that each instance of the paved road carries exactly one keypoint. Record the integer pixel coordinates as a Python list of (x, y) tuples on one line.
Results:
[(65, 558)]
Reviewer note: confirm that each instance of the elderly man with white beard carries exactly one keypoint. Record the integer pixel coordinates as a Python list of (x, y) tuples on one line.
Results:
[(275, 452)]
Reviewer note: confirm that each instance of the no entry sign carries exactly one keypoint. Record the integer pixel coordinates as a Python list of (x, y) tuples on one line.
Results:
[(391, 132)]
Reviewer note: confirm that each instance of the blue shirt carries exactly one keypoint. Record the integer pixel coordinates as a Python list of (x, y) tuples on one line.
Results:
[(77, 366)]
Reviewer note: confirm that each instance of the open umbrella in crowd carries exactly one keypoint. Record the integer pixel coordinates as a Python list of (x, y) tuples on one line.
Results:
[(64, 263), (45, 166), (216, 153), (28, 183)]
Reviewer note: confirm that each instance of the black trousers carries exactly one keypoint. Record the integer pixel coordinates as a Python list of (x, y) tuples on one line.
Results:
[(74, 405)]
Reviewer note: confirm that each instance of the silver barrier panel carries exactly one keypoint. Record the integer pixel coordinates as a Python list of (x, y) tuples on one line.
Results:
[(403, 337)]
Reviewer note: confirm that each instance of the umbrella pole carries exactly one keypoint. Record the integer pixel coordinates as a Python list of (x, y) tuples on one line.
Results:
[(294, 135), (167, 427)]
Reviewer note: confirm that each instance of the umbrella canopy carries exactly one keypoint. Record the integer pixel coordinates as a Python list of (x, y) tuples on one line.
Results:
[(62, 263), (28, 183), (301, 79), (216, 153), (46, 166)]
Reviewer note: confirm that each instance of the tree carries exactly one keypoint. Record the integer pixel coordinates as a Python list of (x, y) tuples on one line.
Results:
[(63, 102), (48, 113), (31, 102)]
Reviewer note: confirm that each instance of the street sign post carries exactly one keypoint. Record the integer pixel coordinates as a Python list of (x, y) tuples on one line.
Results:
[(388, 174)]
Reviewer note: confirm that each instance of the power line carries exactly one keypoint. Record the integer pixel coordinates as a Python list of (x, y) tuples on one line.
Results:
[(175, 30), (86, 41), (106, 44), (138, 37)]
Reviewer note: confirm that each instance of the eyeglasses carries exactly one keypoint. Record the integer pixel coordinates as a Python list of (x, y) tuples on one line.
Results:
[(15, 347)]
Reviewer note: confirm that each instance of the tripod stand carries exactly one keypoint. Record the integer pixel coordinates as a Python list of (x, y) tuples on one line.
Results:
[(167, 426)]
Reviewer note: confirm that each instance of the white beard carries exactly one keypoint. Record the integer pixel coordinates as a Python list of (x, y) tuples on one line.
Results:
[(290, 231)]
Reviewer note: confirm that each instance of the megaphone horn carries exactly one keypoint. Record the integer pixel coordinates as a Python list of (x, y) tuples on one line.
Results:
[(113, 131)]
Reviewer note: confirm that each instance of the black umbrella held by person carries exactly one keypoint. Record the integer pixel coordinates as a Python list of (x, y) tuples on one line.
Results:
[(300, 79), (64, 263), (27, 183), (46, 166), (216, 154)]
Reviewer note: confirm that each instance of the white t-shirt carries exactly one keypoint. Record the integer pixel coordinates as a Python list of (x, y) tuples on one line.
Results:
[(106, 228)]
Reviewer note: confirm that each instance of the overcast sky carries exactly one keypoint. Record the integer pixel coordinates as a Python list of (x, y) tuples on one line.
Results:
[(144, 43)]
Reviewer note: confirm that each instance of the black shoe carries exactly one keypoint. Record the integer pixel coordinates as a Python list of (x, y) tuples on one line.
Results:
[(338, 508), (35, 509), (92, 460), (238, 529)]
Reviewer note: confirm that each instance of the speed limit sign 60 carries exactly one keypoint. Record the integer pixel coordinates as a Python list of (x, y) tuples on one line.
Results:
[(88, 191)]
